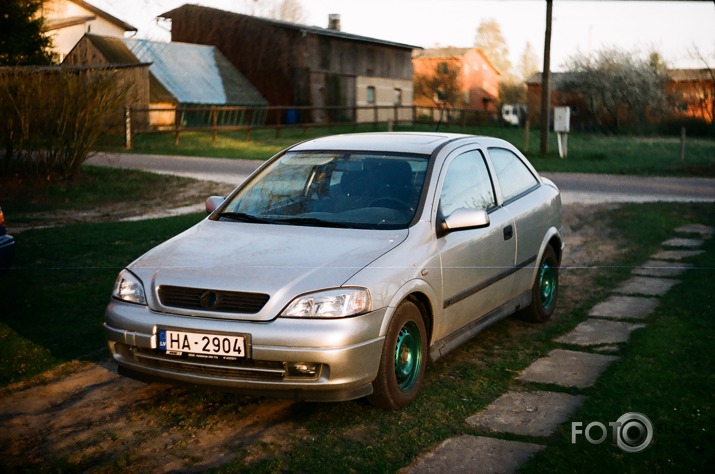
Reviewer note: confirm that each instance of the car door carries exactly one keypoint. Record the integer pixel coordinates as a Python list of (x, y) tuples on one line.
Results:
[(476, 263), (520, 190)]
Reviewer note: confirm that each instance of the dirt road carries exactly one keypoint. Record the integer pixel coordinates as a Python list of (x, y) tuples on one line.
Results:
[(85, 417)]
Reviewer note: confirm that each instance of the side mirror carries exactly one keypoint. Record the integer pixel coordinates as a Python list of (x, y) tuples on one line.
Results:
[(213, 203), (463, 218)]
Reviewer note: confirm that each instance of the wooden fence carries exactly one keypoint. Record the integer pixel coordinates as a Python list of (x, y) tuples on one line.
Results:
[(216, 119)]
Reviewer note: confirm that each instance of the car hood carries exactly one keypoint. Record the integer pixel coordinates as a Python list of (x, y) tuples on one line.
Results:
[(281, 261)]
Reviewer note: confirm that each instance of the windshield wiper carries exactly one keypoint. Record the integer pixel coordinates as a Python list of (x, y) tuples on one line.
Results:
[(310, 221), (243, 217)]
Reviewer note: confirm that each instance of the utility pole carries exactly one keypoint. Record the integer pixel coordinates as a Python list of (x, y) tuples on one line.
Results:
[(546, 83)]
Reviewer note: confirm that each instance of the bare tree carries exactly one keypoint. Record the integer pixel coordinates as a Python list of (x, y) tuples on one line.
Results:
[(621, 89), (286, 10), (512, 89), (528, 62), (491, 41), (706, 89), (443, 86)]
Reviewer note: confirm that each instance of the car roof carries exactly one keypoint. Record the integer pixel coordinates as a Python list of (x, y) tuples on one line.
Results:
[(423, 143)]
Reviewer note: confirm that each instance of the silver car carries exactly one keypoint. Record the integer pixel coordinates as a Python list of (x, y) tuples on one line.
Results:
[(341, 266)]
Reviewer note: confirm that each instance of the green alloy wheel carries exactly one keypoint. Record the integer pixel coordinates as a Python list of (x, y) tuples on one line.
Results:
[(545, 291), (403, 362)]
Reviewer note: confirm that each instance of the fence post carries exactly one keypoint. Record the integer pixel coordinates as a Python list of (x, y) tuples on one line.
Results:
[(526, 136), (128, 128), (279, 113), (214, 124), (177, 123), (682, 143)]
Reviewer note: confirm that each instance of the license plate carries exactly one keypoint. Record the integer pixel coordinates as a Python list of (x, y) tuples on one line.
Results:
[(201, 344)]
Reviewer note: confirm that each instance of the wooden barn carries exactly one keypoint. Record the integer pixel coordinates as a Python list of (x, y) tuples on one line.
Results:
[(179, 75), (299, 65)]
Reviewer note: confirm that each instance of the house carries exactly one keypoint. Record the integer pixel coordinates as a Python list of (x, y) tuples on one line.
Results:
[(478, 77), (691, 93), (179, 74), (66, 21), (342, 75)]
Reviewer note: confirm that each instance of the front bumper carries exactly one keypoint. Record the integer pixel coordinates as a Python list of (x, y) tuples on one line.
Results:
[(305, 359)]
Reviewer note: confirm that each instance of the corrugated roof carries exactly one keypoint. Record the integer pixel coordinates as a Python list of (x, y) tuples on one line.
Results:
[(195, 74)]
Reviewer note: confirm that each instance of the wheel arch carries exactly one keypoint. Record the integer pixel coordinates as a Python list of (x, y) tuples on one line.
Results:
[(422, 295)]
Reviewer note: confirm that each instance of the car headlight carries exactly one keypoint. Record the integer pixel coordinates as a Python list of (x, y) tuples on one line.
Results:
[(129, 288), (338, 303)]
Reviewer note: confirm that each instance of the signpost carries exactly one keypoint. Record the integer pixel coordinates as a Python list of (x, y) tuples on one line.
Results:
[(562, 125)]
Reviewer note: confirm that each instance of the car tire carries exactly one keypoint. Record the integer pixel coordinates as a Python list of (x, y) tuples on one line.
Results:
[(544, 292), (404, 357)]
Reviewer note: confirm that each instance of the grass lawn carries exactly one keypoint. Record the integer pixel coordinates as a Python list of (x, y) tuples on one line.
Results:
[(587, 153), (53, 298), (53, 303), (667, 373)]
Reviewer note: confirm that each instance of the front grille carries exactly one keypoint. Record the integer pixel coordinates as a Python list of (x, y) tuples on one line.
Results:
[(212, 300)]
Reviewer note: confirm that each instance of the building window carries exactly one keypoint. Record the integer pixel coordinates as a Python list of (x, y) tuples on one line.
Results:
[(370, 94), (442, 68), (397, 96)]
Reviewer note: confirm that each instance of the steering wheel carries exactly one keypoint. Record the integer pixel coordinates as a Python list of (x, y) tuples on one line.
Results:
[(391, 203)]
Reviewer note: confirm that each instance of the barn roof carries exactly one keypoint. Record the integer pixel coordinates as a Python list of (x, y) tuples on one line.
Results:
[(195, 74), (182, 72), (302, 28)]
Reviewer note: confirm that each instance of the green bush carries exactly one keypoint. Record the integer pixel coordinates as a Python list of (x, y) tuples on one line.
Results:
[(51, 117)]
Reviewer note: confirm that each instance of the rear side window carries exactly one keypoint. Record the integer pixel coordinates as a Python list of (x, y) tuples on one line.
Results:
[(513, 175)]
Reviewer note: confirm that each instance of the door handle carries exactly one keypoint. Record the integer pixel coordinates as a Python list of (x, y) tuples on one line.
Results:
[(508, 232)]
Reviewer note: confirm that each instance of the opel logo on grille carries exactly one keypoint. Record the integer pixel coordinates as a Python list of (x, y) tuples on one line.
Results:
[(208, 299)]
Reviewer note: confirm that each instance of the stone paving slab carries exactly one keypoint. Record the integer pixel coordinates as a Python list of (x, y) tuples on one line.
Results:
[(705, 231), (594, 332), (682, 242), (659, 268), (470, 454), (527, 413), (645, 286), (567, 368), (677, 254), (625, 307)]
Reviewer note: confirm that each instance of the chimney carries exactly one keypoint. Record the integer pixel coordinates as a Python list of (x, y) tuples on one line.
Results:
[(334, 21)]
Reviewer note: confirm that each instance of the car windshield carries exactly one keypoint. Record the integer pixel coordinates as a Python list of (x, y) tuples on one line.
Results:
[(333, 189)]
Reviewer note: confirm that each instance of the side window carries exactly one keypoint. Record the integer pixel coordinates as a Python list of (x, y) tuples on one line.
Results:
[(513, 175), (467, 184), (370, 94)]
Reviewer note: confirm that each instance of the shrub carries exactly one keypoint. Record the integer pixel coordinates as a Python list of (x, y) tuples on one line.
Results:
[(51, 117)]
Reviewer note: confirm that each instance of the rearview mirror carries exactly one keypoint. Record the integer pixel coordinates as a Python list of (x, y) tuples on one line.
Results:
[(463, 218), (213, 203)]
